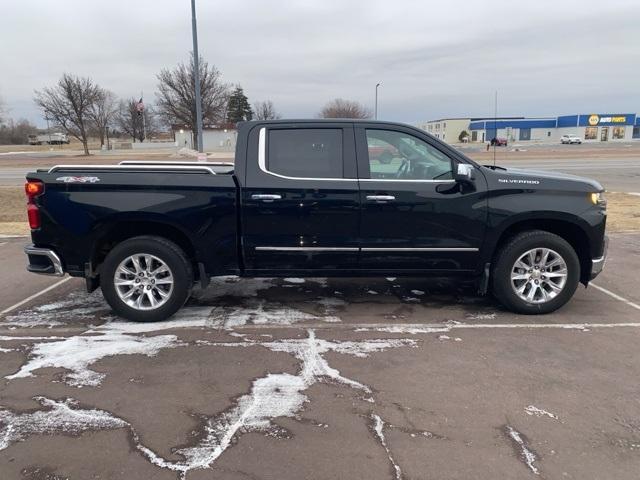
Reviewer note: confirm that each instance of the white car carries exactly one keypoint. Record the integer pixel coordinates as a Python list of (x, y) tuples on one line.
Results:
[(570, 139)]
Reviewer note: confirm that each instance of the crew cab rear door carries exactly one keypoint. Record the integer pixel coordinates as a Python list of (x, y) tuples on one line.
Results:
[(300, 203), (414, 215)]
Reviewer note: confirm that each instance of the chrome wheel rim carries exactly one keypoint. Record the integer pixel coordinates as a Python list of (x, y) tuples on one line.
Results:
[(539, 275), (143, 281)]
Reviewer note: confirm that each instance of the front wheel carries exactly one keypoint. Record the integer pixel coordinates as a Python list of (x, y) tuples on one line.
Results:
[(146, 278), (535, 272)]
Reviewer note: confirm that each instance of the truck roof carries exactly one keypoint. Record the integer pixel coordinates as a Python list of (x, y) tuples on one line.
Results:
[(326, 120)]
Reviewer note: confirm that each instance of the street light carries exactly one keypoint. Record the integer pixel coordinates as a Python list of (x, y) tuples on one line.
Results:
[(196, 74), (376, 108)]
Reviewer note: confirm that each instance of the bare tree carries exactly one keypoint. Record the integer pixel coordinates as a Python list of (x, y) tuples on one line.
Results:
[(341, 108), (176, 95), (16, 133), (102, 112), (69, 104), (265, 111), (135, 123), (2, 111)]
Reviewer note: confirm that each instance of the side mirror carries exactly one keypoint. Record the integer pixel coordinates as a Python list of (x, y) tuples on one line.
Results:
[(464, 173)]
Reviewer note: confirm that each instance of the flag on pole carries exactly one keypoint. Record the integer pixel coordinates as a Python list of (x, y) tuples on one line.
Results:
[(140, 107)]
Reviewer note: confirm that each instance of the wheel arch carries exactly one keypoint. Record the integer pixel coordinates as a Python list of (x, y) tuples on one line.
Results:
[(566, 228), (113, 233)]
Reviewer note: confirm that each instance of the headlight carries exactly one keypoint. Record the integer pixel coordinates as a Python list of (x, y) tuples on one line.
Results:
[(597, 198)]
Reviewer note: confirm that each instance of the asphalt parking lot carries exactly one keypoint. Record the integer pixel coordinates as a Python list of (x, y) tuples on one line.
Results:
[(321, 378)]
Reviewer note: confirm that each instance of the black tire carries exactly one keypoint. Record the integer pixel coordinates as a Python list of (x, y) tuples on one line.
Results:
[(165, 250), (511, 251)]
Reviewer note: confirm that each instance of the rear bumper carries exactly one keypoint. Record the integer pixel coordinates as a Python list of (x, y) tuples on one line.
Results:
[(43, 261), (597, 264)]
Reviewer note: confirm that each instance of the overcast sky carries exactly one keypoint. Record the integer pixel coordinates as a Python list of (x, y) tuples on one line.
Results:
[(434, 59)]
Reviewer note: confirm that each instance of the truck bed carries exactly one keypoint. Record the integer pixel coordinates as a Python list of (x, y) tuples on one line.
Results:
[(83, 205)]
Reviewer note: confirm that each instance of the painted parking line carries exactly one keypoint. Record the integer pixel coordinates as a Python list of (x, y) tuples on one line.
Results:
[(616, 296), (34, 296), (435, 327)]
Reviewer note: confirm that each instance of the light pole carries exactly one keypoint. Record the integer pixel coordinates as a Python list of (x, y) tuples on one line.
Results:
[(196, 74), (375, 116)]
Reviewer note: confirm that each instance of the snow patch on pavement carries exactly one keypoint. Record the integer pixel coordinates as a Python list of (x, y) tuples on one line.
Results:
[(481, 316), (538, 412), (294, 280), (115, 337), (275, 395), (78, 353), (527, 455), (263, 313), (406, 329), (378, 428), (272, 396), (59, 417), (75, 306)]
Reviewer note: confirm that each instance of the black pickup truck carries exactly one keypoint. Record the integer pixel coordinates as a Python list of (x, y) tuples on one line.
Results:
[(313, 198)]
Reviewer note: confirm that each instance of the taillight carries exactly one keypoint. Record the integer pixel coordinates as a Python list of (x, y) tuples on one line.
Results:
[(33, 189), (34, 216)]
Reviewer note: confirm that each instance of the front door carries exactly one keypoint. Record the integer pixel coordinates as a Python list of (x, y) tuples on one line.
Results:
[(604, 134), (414, 215), (300, 203)]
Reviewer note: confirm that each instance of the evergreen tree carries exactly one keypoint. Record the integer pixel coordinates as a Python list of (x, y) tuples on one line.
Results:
[(238, 108)]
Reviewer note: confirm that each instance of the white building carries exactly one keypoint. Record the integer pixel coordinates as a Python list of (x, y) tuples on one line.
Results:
[(447, 129), (215, 138)]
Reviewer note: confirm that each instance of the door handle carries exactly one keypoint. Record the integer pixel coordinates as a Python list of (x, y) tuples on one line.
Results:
[(266, 197), (381, 198)]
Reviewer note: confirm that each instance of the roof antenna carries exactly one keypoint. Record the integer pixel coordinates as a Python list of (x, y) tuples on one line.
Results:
[(495, 126)]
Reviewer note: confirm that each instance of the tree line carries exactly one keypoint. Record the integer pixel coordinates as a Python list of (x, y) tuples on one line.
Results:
[(81, 108)]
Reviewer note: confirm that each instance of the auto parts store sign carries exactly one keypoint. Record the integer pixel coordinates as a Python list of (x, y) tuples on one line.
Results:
[(607, 119)]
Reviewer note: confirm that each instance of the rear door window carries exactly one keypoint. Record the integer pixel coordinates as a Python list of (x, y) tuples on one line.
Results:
[(306, 152)]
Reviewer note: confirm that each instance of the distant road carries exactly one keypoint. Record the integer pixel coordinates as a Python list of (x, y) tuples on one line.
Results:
[(12, 176), (617, 174)]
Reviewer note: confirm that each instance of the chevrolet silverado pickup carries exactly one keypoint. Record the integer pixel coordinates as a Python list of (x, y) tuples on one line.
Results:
[(314, 198)]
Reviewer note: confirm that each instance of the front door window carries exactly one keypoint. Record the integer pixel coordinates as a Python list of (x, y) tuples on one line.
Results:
[(604, 134), (400, 156)]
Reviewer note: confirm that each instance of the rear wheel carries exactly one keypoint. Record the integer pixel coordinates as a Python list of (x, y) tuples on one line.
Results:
[(535, 272), (146, 279)]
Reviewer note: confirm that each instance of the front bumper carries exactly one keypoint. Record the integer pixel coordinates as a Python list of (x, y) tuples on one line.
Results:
[(597, 264), (43, 261)]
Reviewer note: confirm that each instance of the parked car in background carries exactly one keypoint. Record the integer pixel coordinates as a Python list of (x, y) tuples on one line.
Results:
[(48, 139), (570, 139), (499, 142), (308, 198)]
